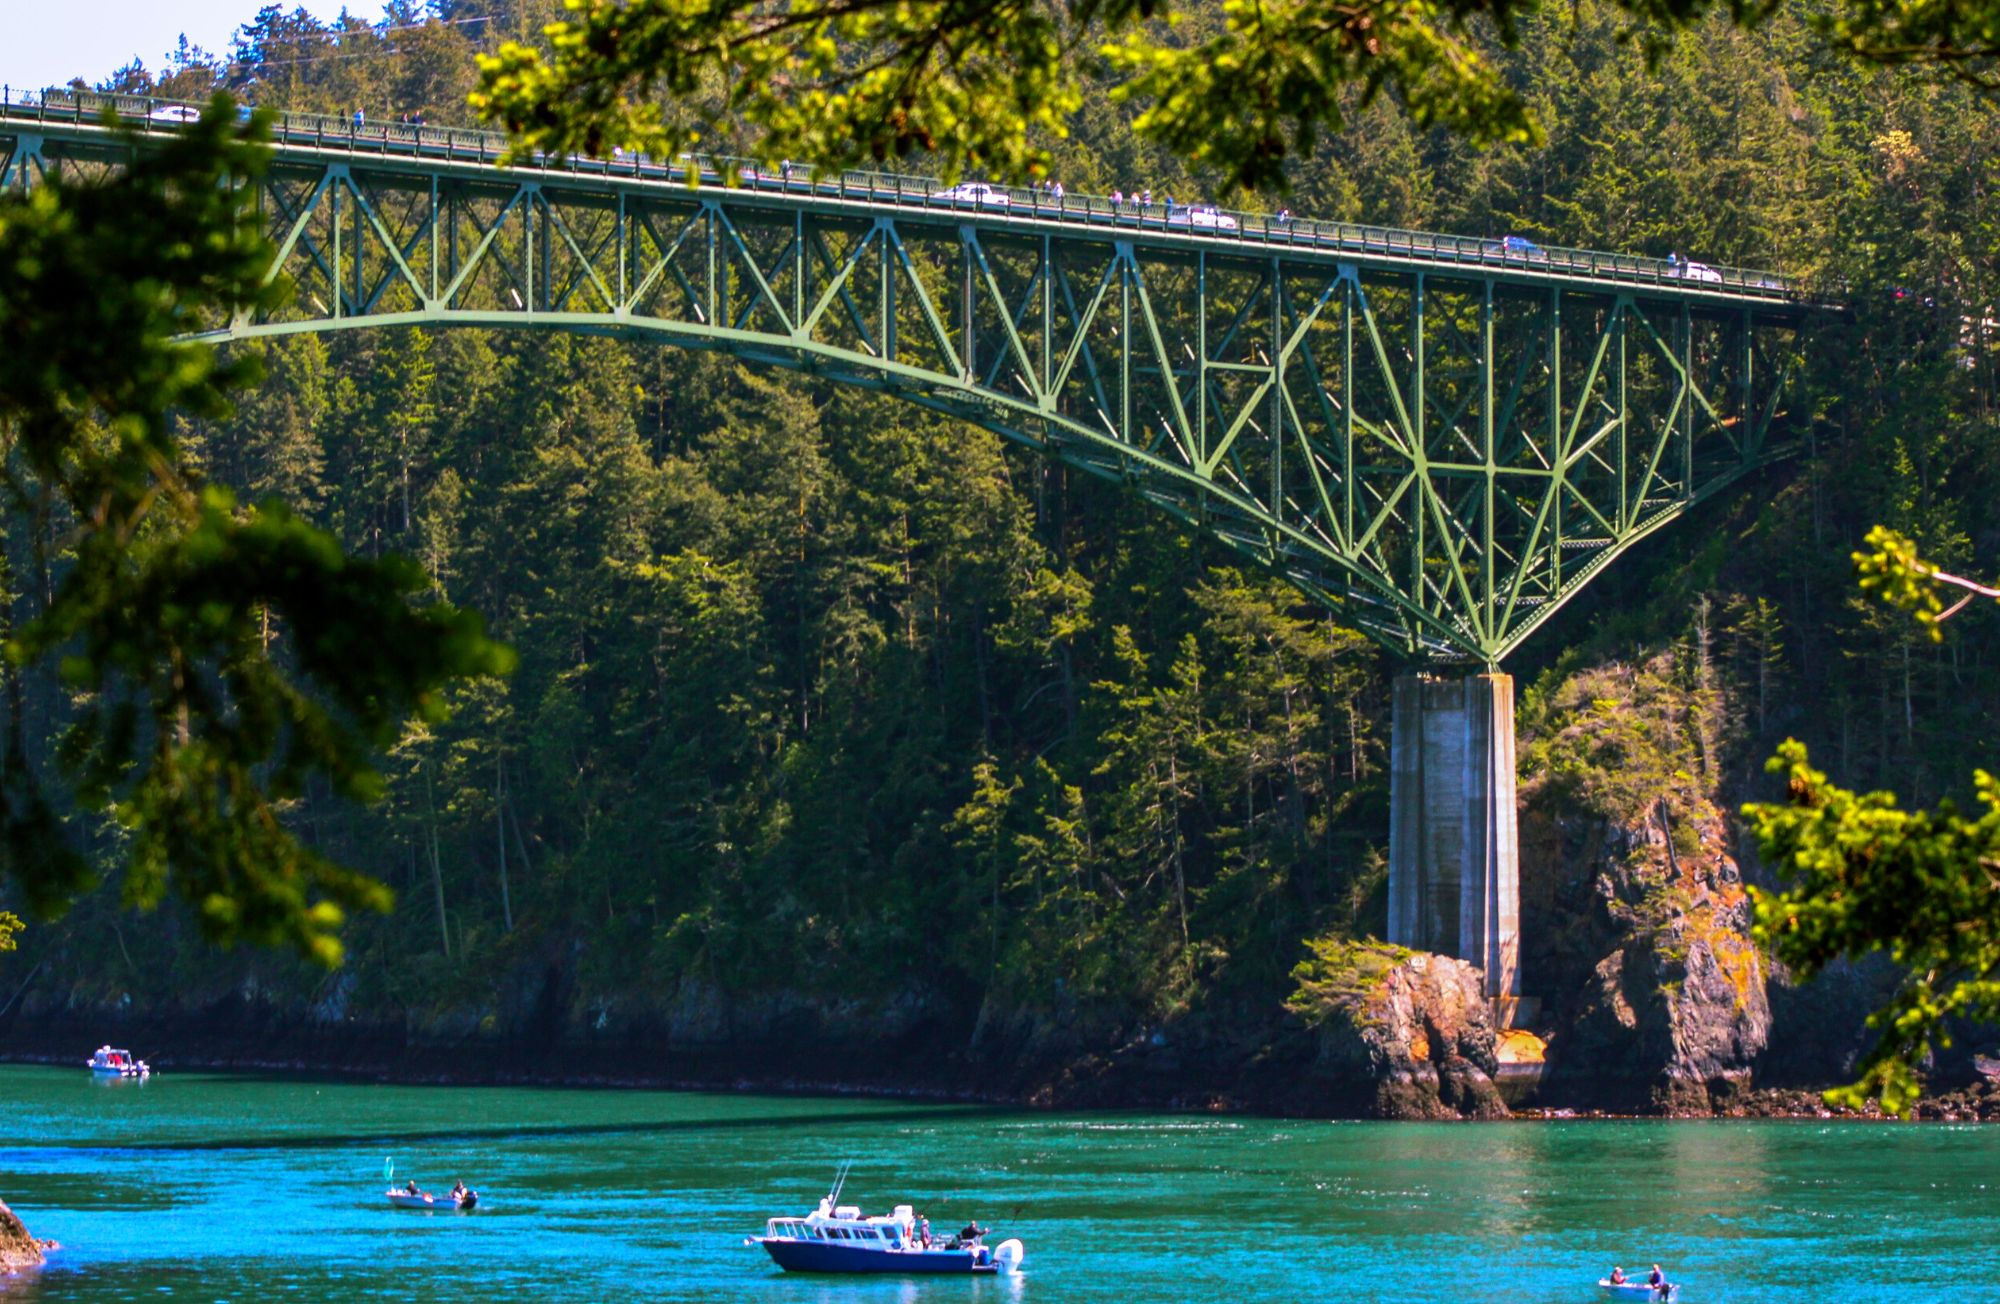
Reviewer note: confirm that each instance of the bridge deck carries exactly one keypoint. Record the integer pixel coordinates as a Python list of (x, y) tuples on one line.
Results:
[(315, 140)]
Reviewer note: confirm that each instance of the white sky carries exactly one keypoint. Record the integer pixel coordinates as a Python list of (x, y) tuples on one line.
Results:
[(45, 44)]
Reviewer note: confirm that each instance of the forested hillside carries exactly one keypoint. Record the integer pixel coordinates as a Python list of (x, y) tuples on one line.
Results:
[(821, 694)]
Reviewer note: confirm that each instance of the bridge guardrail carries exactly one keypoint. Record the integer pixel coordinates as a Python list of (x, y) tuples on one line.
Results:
[(418, 140)]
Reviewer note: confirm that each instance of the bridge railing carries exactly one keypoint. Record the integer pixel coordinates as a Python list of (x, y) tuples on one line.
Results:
[(1210, 222)]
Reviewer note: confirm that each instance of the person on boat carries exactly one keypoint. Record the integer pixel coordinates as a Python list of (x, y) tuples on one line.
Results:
[(923, 1231), (973, 1231), (458, 1191), (1656, 1277), (410, 1188), (1617, 1276)]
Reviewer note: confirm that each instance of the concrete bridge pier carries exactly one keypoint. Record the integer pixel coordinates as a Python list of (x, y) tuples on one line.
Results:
[(1454, 850)]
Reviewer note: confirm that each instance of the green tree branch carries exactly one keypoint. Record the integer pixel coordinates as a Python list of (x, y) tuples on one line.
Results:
[(1862, 876), (988, 85), (216, 656)]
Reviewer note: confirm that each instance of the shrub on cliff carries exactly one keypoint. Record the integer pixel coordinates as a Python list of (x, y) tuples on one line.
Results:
[(1339, 975)]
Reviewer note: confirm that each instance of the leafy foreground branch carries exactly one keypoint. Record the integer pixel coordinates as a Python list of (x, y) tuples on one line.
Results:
[(1865, 876), (987, 84), (216, 657)]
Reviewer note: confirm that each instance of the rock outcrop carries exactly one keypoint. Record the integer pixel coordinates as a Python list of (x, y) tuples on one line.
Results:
[(1655, 992), (1635, 919), (18, 1250), (1401, 1034)]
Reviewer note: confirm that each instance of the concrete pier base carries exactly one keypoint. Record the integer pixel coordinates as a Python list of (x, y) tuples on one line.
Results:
[(1454, 852)]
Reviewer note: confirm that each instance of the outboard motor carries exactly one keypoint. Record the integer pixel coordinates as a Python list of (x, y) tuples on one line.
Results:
[(1007, 1255)]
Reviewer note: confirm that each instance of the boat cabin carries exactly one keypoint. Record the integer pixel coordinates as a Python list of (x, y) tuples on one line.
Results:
[(846, 1224)]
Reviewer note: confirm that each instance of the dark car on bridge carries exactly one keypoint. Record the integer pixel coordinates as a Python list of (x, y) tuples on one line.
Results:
[(1514, 246)]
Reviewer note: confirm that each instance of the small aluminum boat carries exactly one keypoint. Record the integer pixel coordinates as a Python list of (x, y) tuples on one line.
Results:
[(111, 1062)]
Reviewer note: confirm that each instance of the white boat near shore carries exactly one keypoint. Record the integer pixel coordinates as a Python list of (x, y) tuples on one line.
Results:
[(111, 1062)]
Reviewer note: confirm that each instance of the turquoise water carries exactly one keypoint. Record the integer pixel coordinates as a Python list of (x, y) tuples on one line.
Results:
[(226, 1188)]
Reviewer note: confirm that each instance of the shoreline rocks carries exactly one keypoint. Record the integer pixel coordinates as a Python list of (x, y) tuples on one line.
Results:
[(19, 1250)]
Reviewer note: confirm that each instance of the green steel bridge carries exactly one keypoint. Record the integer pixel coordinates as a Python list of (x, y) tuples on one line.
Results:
[(1445, 438)]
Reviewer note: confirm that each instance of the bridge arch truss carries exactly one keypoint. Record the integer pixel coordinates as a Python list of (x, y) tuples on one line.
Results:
[(1446, 446)]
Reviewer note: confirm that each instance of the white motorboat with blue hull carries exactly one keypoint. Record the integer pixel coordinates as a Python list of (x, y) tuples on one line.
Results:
[(837, 1238), (112, 1062)]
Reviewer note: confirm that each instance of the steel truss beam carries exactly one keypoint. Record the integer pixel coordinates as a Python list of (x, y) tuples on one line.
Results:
[(1446, 455)]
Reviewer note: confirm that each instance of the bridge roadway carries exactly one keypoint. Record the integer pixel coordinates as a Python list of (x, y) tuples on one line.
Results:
[(1512, 260), (1444, 438)]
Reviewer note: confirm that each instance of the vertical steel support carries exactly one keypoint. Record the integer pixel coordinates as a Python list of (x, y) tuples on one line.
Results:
[(1490, 503), (527, 209), (1419, 451), (1749, 424), (1624, 414), (1048, 318), (338, 289), (1558, 446), (360, 252), (1200, 361), (1124, 257), (889, 293), (801, 264), (1686, 323), (1275, 440), (714, 293), (1347, 468), (969, 305), (437, 239)]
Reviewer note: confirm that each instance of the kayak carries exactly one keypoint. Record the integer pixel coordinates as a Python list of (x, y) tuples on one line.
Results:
[(1638, 1292), (426, 1200)]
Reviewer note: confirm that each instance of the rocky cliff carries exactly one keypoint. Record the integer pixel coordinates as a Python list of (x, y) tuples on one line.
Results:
[(1654, 993), (1635, 916), (1401, 1034)]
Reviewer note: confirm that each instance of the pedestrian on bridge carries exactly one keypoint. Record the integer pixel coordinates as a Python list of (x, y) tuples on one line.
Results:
[(357, 119)]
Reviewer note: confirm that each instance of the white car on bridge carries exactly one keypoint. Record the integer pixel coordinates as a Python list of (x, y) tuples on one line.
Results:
[(1203, 217), (1694, 271), (178, 114), (977, 193)]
